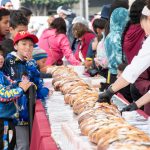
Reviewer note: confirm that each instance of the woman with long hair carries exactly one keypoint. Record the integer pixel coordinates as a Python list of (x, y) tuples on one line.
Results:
[(54, 40), (85, 36)]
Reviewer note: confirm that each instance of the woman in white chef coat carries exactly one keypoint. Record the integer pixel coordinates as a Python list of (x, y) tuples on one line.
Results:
[(138, 65)]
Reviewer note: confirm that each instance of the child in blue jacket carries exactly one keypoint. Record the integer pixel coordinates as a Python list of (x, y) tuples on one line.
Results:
[(10, 92), (17, 63)]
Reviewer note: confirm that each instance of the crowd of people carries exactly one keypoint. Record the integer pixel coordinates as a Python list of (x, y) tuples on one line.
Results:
[(113, 44)]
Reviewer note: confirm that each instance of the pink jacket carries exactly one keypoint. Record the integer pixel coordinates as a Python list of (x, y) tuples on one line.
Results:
[(56, 46)]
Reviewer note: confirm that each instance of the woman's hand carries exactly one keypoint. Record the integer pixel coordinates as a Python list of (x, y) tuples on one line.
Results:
[(94, 43)]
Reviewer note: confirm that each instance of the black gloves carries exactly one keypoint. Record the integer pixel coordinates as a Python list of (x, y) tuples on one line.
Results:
[(130, 107), (106, 96)]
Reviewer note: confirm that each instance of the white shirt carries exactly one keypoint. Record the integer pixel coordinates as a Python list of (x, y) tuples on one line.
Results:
[(139, 63)]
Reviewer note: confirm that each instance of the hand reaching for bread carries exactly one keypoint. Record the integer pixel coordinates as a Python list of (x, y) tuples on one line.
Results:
[(106, 96)]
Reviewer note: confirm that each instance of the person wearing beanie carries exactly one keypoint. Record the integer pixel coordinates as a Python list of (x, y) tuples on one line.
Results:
[(40, 56), (7, 4), (105, 11)]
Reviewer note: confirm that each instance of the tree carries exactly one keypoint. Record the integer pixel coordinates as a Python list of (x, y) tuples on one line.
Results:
[(45, 7)]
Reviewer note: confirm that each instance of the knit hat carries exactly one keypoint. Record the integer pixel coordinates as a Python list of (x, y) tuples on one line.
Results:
[(64, 9), (22, 35), (105, 11), (39, 53), (80, 19), (3, 2)]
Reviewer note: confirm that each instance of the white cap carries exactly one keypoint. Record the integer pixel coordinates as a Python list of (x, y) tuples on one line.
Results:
[(64, 10), (80, 19), (146, 11)]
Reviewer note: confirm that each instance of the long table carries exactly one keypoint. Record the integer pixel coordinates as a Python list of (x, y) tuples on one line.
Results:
[(59, 124)]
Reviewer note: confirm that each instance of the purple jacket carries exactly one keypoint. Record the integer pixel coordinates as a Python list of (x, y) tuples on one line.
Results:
[(133, 40), (143, 85)]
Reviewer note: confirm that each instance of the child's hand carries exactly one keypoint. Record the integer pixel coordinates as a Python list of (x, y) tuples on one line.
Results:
[(28, 56), (44, 69), (25, 85)]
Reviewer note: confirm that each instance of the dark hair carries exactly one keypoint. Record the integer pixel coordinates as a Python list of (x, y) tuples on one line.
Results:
[(80, 29), (136, 11), (2, 51), (7, 45), (117, 4), (135, 15), (4, 12), (114, 5), (59, 24), (17, 18), (25, 73), (122, 66), (99, 23), (27, 12), (148, 4)]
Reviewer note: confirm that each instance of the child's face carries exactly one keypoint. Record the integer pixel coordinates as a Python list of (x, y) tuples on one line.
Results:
[(4, 25), (24, 48), (1, 61), (41, 63), (19, 28)]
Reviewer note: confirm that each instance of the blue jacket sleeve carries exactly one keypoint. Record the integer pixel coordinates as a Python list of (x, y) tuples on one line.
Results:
[(6, 67), (10, 83), (34, 74), (32, 68), (89, 54)]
